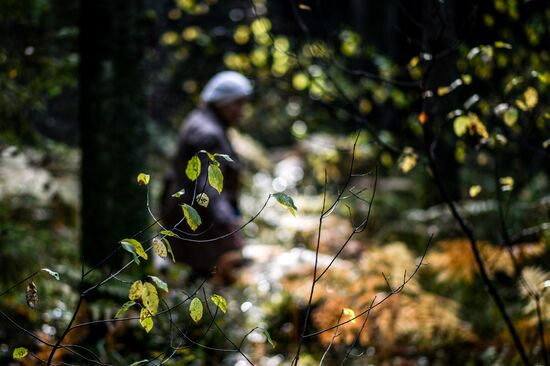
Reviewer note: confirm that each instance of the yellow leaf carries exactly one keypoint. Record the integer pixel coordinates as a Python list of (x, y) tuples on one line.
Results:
[(546, 143), (476, 126), (300, 81), (350, 313), (159, 248), (506, 183), (407, 161), (150, 298), (531, 97), (135, 291), (511, 116), (474, 190), (143, 179), (442, 90), (146, 320), (460, 125)]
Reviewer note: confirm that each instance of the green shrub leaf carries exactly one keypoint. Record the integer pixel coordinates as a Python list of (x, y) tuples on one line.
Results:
[(193, 169), (286, 201), (133, 246), (195, 309), (20, 352), (203, 199), (215, 177), (124, 308), (191, 216), (146, 320), (159, 283), (220, 302)]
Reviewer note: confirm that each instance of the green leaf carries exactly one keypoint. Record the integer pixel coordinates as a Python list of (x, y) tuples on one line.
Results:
[(142, 362), (20, 352), (286, 201), (179, 193), (124, 308), (191, 216), (159, 283), (195, 309), (51, 273), (133, 246), (146, 320), (224, 156), (159, 248), (220, 302), (169, 249), (268, 338), (169, 233), (215, 177), (202, 199), (193, 169)]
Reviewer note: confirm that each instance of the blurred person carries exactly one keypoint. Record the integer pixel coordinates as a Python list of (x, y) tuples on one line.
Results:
[(222, 102)]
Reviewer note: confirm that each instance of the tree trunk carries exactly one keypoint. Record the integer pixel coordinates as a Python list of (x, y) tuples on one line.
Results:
[(112, 124)]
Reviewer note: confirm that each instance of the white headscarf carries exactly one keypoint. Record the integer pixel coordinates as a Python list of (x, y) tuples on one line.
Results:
[(226, 87)]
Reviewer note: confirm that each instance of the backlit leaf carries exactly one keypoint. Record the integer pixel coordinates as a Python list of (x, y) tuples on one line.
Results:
[(546, 143), (142, 362), (32, 295), (220, 302), (350, 313), (193, 169), (159, 248), (506, 183), (215, 177), (135, 290), (224, 156), (143, 179), (286, 201), (195, 309), (474, 190), (169, 233), (51, 273), (124, 308), (159, 283), (268, 338), (407, 160), (169, 249), (510, 116), (20, 352), (150, 297), (146, 320), (460, 125), (130, 244), (202, 199), (191, 216), (179, 193), (531, 97)]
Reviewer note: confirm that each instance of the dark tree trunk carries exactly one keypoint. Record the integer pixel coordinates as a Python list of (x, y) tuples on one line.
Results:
[(112, 124)]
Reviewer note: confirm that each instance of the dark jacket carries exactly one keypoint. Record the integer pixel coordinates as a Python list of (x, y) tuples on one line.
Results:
[(202, 130)]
